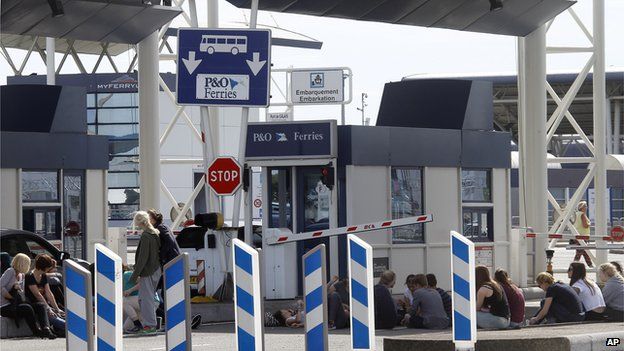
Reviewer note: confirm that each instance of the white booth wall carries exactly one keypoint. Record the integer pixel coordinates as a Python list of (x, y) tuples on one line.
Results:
[(442, 198)]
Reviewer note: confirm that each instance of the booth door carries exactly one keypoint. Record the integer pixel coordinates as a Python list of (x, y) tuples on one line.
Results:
[(313, 211)]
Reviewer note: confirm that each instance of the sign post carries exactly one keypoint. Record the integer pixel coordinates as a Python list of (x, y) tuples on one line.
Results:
[(464, 294), (361, 293), (315, 301), (109, 299), (225, 175)]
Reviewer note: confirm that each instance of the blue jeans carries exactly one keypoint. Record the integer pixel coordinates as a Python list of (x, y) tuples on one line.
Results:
[(487, 320), (58, 325)]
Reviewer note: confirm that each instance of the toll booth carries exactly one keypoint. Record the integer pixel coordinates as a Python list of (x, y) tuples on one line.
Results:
[(430, 154), (297, 160)]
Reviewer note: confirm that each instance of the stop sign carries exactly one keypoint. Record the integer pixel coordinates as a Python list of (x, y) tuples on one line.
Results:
[(225, 175), (617, 233)]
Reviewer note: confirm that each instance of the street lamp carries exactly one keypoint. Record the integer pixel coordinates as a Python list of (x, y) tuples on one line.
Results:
[(364, 104)]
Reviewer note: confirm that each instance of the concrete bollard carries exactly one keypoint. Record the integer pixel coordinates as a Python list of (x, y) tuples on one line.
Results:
[(108, 299), (176, 282), (361, 293), (315, 299), (78, 307), (247, 298), (464, 294)]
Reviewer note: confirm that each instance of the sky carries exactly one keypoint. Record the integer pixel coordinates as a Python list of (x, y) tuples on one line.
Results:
[(379, 53)]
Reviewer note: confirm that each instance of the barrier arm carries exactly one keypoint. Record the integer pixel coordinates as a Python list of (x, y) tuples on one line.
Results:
[(359, 228)]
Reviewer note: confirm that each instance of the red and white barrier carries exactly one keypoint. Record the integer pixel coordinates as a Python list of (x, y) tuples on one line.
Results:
[(201, 278), (569, 236), (360, 228)]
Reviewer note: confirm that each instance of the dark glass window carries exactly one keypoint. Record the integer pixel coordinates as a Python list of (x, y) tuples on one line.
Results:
[(231, 41), (280, 193), (221, 41), (407, 201), (476, 185), (73, 216), (212, 40), (123, 180), (91, 116), (119, 130), (241, 41), (478, 223), (90, 100), (123, 146), (40, 186), (122, 203), (123, 164)]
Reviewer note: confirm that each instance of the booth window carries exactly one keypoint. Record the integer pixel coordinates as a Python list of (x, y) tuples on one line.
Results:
[(40, 186), (478, 223), (477, 206), (280, 194), (476, 185), (73, 213), (617, 205), (407, 200)]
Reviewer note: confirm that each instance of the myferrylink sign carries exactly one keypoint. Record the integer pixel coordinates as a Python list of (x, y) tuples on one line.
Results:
[(317, 86), (223, 67)]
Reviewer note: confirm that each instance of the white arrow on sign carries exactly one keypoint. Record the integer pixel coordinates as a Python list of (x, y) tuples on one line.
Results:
[(255, 65), (191, 63)]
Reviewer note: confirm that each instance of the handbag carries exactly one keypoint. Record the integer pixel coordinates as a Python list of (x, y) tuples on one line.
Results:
[(18, 297)]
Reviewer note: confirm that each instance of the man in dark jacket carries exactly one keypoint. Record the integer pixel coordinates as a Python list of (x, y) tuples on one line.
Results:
[(386, 316), (169, 248)]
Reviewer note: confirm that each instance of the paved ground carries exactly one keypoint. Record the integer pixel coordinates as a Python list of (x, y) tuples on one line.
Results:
[(214, 337)]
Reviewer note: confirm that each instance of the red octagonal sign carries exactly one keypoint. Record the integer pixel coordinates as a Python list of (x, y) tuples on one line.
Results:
[(225, 175)]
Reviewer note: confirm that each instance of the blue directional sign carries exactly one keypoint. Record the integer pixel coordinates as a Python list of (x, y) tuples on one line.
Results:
[(224, 67)]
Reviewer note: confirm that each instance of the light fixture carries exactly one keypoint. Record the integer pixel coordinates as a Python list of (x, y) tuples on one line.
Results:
[(57, 8), (496, 5)]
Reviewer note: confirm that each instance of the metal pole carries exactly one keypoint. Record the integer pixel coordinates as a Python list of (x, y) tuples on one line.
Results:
[(342, 115), (599, 89), (51, 74), (533, 152), (609, 131), (617, 120), (248, 210), (149, 134), (242, 144)]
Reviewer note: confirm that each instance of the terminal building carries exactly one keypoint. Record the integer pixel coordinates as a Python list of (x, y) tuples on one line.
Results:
[(403, 166)]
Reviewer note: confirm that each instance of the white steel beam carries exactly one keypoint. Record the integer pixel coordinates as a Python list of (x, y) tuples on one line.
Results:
[(50, 49), (599, 91), (149, 147)]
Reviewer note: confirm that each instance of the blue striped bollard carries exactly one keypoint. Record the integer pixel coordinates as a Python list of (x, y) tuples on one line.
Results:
[(315, 301), (78, 307), (247, 298), (361, 294), (109, 299), (177, 304), (463, 288)]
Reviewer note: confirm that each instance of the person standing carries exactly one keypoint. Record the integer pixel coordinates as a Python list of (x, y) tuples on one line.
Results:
[(147, 270), (582, 223)]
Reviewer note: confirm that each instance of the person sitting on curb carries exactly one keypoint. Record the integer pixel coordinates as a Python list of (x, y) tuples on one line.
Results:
[(386, 316), (514, 297), (492, 306), (613, 292), (447, 301), (562, 304), (428, 309), (589, 292)]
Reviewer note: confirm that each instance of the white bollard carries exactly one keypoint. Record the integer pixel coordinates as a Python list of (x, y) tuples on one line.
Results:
[(361, 293), (247, 297), (464, 294), (109, 299), (176, 283), (78, 307), (315, 299)]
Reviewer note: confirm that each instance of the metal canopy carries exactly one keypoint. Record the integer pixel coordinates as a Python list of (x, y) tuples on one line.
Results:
[(122, 21), (517, 17)]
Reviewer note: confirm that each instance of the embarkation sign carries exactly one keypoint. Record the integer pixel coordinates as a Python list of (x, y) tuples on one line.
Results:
[(223, 67), (317, 87)]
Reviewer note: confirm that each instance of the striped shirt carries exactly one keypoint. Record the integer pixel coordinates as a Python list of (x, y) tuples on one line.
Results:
[(446, 301)]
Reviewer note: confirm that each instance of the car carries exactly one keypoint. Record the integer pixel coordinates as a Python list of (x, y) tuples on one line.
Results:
[(14, 241)]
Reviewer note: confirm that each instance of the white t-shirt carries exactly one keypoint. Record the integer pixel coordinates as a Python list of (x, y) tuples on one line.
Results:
[(408, 294), (590, 301)]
